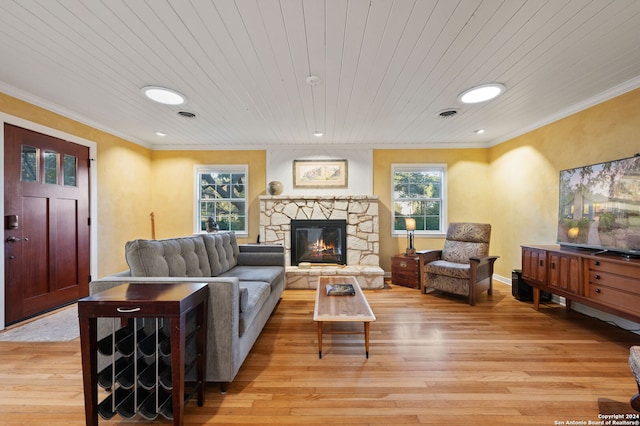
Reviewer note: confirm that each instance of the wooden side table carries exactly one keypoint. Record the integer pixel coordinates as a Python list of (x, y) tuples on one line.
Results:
[(406, 270), (146, 300)]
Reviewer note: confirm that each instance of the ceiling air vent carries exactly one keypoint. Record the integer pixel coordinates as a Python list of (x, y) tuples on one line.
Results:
[(447, 113), (186, 114)]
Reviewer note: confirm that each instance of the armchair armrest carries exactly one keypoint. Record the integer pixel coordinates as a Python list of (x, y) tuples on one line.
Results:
[(424, 257), (480, 276), (427, 256), (483, 259), (481, 267)]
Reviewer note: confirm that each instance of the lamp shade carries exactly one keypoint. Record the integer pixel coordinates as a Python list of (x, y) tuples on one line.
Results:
[(410, 224)]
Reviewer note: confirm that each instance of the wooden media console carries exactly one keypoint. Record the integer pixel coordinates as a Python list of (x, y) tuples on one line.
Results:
[(607, 281)]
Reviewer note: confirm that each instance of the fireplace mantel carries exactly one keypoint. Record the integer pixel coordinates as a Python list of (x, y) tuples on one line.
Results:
[(360, 212)]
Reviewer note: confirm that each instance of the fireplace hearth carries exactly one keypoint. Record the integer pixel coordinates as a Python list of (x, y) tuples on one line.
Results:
[(319, 241)]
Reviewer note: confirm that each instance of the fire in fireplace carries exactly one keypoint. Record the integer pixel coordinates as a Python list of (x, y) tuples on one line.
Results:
[(319, 241)]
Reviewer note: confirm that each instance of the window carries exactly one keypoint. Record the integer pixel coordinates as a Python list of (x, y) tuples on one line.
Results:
[(419, 191), (222, 197), (51, 167), (69, 170), (29, 164)]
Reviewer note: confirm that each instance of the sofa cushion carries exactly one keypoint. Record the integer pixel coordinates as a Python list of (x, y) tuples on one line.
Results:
[(269, 274), (256, 295), (172, 257), (244, 299), (222, 249)]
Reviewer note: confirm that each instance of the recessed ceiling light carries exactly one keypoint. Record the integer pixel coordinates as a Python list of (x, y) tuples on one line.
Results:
[(158, 133), (481, 93), (479, 131), (318, 134), (313, 80), (164, 95)]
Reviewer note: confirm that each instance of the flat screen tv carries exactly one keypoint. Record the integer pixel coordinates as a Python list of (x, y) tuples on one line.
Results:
[(600, 206)]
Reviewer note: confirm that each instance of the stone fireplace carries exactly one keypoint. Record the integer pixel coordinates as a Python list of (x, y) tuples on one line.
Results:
[(360, 213), (320, 242)]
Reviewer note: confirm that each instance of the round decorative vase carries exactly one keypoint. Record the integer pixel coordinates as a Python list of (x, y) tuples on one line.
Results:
[(275, 187)]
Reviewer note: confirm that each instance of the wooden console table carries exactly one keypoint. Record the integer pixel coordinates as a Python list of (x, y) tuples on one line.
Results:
[(606, 281), (129, 302)]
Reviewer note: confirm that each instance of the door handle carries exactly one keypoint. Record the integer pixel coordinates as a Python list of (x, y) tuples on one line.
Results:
[(15, 239)]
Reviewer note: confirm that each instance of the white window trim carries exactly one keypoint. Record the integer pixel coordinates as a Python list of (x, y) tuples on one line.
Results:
[(219, 167), (443, 218)]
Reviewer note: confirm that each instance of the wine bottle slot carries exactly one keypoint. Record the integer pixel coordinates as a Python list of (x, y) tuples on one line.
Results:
[(128, 408), (165, 379), (107, 408), (148, 344), (149, 408), (149, 377), (165, 347), (105, 345), (127, 344), (106, 376), (127, 377), (166, 409)]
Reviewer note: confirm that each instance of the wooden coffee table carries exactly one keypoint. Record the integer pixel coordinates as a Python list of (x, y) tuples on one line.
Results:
[(341, 309)]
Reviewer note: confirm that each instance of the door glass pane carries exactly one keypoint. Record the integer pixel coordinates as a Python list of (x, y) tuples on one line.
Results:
[(50, 167), (69, 170), (29, 164)]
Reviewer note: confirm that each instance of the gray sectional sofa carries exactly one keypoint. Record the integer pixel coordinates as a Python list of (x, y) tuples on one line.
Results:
[(245, 285)]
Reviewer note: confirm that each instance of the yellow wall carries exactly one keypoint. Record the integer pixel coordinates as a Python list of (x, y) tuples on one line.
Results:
[(524, 171), (124, 196), (173, 187), (467, 172)]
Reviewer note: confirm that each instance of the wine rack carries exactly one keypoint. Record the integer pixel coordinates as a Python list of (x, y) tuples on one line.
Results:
[(138, 375), (143, 354)]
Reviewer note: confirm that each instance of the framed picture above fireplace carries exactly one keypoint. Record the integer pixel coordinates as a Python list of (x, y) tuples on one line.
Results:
[(320, 173)]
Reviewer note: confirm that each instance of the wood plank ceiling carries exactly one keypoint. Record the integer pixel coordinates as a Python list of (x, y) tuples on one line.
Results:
[(386, 67)]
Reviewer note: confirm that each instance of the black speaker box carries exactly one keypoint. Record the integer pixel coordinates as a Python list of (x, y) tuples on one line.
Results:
[(523, 291)]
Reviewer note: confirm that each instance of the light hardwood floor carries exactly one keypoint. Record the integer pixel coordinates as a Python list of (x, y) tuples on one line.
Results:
[(433, 360)]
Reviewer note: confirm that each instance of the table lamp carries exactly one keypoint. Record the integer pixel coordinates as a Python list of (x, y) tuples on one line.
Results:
[(410, 225)]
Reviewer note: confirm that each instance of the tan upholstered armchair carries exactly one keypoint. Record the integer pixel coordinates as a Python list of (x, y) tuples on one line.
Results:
[(463, 266), (634, 363)]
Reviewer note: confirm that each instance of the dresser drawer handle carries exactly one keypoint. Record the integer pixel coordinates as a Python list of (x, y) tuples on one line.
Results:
[(597, 263), (127, 310), (598, 290), (597, 277), (403, 264)]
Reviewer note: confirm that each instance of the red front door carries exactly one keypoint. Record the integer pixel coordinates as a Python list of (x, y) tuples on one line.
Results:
[(46, 237)]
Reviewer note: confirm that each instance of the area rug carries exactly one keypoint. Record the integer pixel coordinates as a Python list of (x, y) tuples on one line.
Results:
[(60, 326)]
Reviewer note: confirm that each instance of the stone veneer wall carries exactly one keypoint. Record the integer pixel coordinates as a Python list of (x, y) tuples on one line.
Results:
[(363, 239)]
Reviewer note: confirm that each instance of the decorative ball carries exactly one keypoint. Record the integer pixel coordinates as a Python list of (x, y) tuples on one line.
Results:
[(275, 187)]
